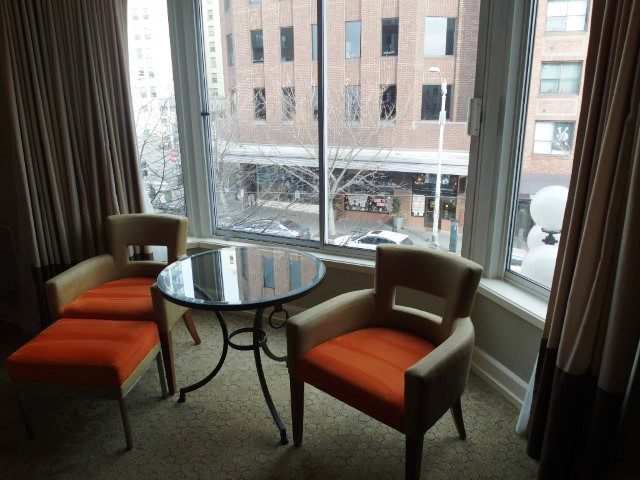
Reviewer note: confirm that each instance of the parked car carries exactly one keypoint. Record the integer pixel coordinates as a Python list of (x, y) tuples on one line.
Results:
[(370, 240), (277, 227)]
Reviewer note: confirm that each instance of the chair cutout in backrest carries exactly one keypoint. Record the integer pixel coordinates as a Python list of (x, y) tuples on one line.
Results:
[(144, 229), (440, 274)]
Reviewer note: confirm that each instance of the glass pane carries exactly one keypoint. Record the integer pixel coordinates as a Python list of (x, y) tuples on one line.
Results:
[(435, 36), (314, 42), (389, 36), (382, 170), (264, 148), (352, 39), (154, 108), (548, 145), (575, 23)]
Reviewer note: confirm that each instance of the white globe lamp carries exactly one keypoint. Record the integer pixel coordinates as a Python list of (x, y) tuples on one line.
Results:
[(547, 207), (536, 236), (539, 264)]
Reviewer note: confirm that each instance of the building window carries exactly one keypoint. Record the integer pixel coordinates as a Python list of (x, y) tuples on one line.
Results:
[(214, 62), (212, 47), (255, 2), (439, 36), (432, 102), (553, 138), (230, 55), (388, 102), (286, 44), (214, 78), (211, 31), (314, 102), (566, 15), (560, 77), (227, 5), (288, 103), (352, 102), (259, 104), (210, 15), (152, 92), (152, 74), (352, 39), (295, 274), (389, 37), (257, 46), (314, 42), (143, 92)]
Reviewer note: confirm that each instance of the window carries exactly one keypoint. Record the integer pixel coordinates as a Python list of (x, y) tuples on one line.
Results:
[(314, 102), (432, 102), (213, 62), (352, 102), (257, 46), (566, 15), (560, 77), (233, 104), (211, 31), (212, 47), (286, 44), (209, 15), (288, 102), (389, 37), (352, 39), (231, 59), (439, 36), (268, 272), (295, 274), (314, 42), (255, 2), (227, 5), (259, 104), (388, 102), (553, 138), (155, 121)]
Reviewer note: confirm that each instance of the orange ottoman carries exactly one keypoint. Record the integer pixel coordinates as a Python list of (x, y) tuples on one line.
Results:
[(100, 358)]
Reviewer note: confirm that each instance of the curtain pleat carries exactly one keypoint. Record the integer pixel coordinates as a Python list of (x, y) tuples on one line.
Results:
[(72, 122), (592, 330)]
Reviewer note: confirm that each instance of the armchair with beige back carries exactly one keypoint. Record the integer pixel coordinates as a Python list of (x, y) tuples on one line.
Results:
[(114, 287), (402, 366)]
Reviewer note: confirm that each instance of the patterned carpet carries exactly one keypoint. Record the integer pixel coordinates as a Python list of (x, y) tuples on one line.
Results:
[(224, 430)]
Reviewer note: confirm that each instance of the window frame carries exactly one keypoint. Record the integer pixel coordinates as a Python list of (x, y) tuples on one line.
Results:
[(382, 38), (252, 35), (283, 48), (500, 83), (346, 43)]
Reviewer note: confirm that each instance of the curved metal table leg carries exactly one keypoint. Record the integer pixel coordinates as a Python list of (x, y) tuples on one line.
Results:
[(214, 372), (257, 324)]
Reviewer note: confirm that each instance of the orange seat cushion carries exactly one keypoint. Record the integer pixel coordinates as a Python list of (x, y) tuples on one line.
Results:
[(81, 351), (125, 299), (365, 369)]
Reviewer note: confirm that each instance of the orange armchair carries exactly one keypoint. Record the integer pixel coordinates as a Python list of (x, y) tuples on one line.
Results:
[(402, 366), (114, 287)]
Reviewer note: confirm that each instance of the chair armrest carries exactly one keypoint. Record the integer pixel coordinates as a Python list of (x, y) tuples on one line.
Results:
[(433, 384), (165, 313), (342, 314), (71, 283)]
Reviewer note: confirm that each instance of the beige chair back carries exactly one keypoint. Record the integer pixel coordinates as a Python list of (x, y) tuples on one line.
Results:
[(141, 229), (444, 275)]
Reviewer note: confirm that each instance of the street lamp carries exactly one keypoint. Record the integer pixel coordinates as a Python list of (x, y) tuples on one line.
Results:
[(441, 120)]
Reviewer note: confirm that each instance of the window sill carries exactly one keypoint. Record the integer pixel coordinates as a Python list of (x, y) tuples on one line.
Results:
[(517, 300), (527, 305)]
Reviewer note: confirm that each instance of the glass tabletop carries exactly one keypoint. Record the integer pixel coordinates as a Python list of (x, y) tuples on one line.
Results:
[(240, 278)]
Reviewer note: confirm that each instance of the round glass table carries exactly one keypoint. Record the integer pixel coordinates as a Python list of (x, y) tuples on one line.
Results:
[(243, 278)]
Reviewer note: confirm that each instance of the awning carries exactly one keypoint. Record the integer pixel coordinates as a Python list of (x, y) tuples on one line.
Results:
[(406, 161)]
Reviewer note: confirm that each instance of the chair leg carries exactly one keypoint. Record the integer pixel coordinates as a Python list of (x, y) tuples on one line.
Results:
[(125, 424), (191, 326), (297, 409), (413, 457), (166, 343), (161, 374), (456, 412), (25, 417)]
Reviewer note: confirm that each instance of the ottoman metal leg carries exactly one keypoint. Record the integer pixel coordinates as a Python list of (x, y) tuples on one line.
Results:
[(125, 424), (25, 417)]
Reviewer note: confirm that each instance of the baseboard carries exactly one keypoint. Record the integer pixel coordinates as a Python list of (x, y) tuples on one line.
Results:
[(507, 383)]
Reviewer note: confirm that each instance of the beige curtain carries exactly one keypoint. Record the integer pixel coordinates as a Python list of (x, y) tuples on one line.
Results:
[(593, 326), (65, 80)]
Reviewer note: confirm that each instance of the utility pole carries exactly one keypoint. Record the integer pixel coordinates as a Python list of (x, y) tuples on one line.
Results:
[(441, 120)]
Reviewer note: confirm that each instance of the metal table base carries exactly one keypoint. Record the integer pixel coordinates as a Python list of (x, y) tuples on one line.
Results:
[(259, 343)]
